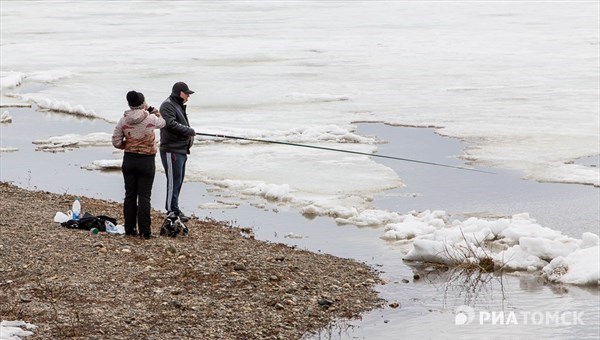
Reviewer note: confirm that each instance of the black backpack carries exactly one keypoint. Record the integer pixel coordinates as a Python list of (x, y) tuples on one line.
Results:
[(89, 221)]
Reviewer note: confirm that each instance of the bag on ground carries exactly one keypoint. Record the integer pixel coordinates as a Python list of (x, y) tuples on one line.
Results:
[(89, 221), (172, 226)]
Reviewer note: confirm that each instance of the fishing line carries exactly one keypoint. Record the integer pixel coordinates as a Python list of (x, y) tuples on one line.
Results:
[(340, 150)]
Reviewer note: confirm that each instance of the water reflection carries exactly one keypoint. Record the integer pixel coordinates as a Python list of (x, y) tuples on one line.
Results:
[(468, 286)]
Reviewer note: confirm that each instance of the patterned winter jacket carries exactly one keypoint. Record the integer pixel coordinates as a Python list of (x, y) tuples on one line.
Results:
[(135, 132)]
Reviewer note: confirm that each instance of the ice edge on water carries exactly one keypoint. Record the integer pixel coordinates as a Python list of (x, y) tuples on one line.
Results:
[(516, 243)]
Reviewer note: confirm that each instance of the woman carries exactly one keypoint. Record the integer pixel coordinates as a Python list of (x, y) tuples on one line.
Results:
[(135, 134)]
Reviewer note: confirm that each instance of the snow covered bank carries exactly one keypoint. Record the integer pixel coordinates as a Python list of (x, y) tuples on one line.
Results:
[(14, 330), (515, 243)]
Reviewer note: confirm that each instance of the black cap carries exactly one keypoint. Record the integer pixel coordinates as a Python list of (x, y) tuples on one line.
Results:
[(135, 99), (181, 86)]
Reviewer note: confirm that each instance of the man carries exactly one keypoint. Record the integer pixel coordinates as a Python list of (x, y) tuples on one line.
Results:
[(176, 139)]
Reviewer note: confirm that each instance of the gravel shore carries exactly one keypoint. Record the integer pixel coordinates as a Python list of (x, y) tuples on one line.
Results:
[(217, 283)]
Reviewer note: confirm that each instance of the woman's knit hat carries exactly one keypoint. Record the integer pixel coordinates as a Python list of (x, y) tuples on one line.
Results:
[(135, 99)]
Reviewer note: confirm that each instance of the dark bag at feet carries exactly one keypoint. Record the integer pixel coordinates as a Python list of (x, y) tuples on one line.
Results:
[(89, 221)]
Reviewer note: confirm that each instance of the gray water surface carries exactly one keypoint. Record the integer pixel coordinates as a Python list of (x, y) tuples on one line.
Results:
[(570, 208)]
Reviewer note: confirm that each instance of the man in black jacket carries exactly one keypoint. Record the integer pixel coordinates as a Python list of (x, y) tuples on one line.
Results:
[(176, 139)]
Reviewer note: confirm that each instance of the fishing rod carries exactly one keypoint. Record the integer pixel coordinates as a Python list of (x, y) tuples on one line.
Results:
[(339, 150)]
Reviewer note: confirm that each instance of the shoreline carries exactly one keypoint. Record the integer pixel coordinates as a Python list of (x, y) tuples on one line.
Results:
[(461, 191), (424, 301), (217, 282)]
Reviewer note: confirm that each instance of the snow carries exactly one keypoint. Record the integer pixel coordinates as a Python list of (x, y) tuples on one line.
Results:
[(547, 249), (293, 235), (56, 105), (9, 80), (579, 267), (515, 258), (219, 205), (74, 140), (3, 149), (326, 209), (264, 177), (516, 243), (370, 217), (104, 164), (7, 104), (269, 191), (317, 97), (5, 117), (300, 135), (13, 330), (49, 76)]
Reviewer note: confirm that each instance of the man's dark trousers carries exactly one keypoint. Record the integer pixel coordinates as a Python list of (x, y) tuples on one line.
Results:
[(174, 164)]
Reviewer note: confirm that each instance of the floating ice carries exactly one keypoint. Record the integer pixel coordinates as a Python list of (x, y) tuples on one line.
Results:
[(5, 117), (293, 235), (8, 149), (339, 212), (269, 191), (579, 267), (516, 243), (316, 98), (310, 134), (6, 104), (48, 76), (73, 140), (56, 105), (104, 164), (219, 205), (296, 176), (9, 80), (370, 217)]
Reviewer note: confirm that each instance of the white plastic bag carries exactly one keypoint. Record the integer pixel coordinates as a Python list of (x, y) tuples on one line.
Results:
[(61, 217), (114, 229)]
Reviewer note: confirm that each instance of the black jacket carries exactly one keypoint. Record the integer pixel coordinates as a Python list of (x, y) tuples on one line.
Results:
[(177, 135)]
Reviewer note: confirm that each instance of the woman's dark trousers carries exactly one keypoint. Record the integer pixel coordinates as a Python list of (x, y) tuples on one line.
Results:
[(138, 172)]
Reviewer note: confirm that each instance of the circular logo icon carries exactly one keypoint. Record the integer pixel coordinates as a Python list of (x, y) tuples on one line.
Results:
[(464, 315)]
